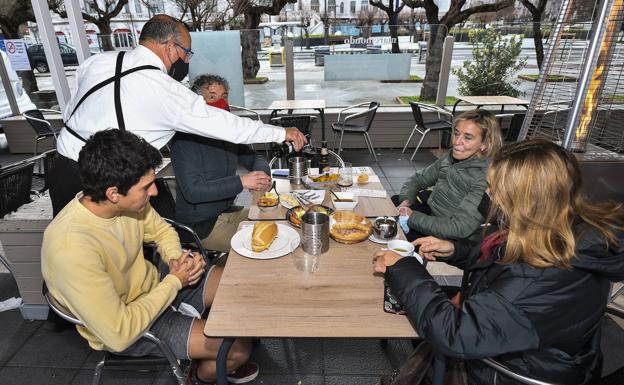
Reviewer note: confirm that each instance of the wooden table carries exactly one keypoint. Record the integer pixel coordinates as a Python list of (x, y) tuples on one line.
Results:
[(480, 101), (271, 298), (367, 206), (291, 105)]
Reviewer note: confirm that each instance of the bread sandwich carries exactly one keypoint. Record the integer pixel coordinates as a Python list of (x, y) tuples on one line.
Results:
[(263, 234)]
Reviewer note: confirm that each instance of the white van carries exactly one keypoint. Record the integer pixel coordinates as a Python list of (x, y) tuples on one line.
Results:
[(23, 101)]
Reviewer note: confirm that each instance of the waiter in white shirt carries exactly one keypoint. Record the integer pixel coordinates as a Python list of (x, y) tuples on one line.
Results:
[(140, 91)]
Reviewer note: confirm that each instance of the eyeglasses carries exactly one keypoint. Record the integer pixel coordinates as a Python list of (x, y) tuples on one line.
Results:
[(187, 51)]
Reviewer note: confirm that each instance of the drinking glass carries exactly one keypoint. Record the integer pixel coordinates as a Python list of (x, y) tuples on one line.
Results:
[(306, 261), (345, 175)]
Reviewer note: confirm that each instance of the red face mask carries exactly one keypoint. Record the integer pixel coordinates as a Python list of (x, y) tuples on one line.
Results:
[(219, 103)]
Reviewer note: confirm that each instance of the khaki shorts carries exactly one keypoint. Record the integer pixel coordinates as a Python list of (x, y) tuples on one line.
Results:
[(223, 231)]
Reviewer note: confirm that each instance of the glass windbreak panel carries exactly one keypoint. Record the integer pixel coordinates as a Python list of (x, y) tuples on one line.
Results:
[(219, 53), (353, 64)]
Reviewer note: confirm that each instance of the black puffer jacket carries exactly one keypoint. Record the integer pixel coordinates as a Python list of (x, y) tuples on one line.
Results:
[(539, 322)]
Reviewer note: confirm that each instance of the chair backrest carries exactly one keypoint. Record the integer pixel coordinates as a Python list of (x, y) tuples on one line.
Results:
[(514, 127), (164, 203), (15, 185), (370, 114), (417, 113), (38, 122), (302, 122), (56, 308)]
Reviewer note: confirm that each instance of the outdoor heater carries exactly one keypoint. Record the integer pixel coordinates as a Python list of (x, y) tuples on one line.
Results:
[(578, 100)]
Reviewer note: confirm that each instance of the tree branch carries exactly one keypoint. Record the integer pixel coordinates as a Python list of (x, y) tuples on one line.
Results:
[(465, 14)]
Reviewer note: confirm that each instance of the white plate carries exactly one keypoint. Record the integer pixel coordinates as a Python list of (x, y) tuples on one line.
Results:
[(282, 245), (373, 238), (317, 201)]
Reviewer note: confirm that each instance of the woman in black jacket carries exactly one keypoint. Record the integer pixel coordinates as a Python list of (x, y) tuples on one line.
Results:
[(533, 291)]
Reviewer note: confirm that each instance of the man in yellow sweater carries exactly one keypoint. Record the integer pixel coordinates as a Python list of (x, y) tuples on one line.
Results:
[(92, 261)]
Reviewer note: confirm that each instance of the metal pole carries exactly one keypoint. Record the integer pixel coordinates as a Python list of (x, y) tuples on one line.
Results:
[(290, 69), (586, 74), (549, 57), (52, 52), (445, 70), (78, 31), (8, 90)]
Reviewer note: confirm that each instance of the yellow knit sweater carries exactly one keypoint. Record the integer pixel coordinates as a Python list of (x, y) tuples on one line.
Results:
[(94, 267)]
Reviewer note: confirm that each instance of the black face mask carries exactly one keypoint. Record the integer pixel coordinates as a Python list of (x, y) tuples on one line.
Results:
[(179, 69)]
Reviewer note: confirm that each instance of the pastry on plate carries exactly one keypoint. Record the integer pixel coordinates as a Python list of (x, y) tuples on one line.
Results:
[(263, 234), (362, 179), (349, 227)]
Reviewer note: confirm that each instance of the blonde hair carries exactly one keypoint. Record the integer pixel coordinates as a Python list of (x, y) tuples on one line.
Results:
[(535, 186), (490, 130)]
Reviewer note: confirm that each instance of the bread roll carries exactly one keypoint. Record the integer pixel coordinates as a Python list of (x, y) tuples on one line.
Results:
[(362, 178), (263, 234)]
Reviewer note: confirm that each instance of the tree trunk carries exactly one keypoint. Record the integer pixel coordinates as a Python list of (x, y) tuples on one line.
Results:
[(394, 38), (537, 40), (435, 46), (250, 42), (29, 82), (326, 32), (106, 35)]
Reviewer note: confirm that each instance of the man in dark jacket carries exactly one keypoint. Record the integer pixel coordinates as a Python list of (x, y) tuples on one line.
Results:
[(206, 179), (537, 322)]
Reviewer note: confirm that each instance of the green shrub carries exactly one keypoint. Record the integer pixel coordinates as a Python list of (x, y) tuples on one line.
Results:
[(494, 65)]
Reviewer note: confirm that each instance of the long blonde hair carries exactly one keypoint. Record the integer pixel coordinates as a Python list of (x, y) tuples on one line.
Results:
[(490, 130), (535, 186)]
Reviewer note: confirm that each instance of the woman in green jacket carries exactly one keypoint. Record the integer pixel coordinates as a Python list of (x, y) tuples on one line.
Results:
[(458, 183)]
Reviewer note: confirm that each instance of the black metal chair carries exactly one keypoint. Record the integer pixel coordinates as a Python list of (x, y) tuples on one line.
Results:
[(165, 206), (15, 185), (251, 114), (111, 359), (358, 123), (423, 128), (43, 128), (302, 122)]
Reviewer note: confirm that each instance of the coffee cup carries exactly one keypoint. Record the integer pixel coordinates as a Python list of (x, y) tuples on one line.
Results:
[(403, 248)]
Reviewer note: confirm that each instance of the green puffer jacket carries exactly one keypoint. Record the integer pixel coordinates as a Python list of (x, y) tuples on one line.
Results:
[(457, 191)]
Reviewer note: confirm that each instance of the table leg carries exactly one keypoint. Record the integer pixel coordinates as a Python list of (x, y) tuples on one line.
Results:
[(322, 114), (222, 361)]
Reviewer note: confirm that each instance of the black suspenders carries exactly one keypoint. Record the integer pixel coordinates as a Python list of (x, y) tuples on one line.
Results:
[(117, 87)]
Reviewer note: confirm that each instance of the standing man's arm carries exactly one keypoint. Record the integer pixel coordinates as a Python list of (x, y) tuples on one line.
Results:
[(191, 114)]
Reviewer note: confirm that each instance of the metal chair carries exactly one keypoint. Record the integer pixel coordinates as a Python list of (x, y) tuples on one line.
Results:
[(165, 206), (15, 185), (42, 127), (111, 359), (358, 123), (251, 114), (423, 128)]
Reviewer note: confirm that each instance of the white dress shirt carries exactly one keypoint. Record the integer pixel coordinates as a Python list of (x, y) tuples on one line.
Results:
[(154, 106)]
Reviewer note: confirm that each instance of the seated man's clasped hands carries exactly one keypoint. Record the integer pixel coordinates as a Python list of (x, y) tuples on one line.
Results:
[(92, 261), (446, 199), (206, 179), (535, 289)]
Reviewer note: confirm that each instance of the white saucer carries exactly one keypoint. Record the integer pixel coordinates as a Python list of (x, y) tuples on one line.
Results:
[(373, 238)]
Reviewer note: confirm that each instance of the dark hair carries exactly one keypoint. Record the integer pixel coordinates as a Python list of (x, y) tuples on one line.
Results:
[(206, 80), (161, 29), (114, 158)]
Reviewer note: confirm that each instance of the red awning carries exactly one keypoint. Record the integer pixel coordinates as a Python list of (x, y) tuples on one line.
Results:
[(121, 30), (59, 33)]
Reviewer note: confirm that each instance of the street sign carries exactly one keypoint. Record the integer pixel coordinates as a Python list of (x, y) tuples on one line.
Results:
[(16, 51)]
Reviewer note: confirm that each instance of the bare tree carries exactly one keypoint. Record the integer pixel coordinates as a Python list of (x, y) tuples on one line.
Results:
[(101, 16), (325, 19), (366, 19), (196, 12), (536, 9), (14, 13), (440, 27), (250, 36), (392, 11)]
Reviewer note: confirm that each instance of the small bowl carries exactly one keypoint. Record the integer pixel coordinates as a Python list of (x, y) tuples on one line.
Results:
[(268, 208), (345, 205)]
